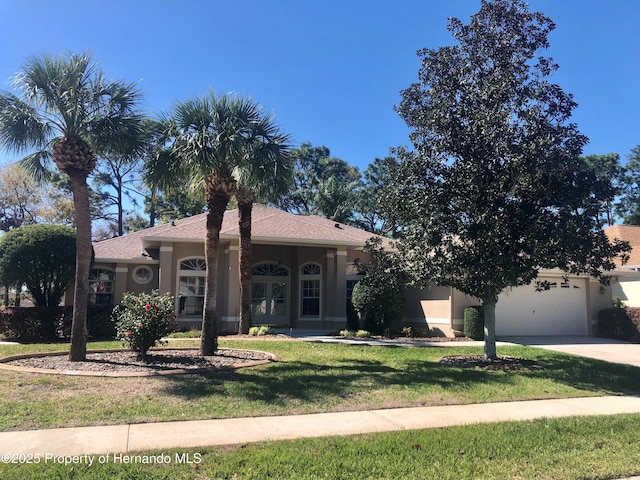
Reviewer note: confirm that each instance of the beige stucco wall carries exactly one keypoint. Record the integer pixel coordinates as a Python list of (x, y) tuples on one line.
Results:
[(600, 298), (627, 290), (430, 306)]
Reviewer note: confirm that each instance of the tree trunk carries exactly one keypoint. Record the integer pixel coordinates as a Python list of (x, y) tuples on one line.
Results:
[(217, 200), (244, 216), (120, 208), (152, 208), (490, 329), (84, 248)]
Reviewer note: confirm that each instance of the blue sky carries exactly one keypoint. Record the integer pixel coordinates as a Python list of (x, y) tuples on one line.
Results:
[(330, 70)]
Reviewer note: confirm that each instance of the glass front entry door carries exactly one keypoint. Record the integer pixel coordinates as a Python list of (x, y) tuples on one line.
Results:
[(269, 302)]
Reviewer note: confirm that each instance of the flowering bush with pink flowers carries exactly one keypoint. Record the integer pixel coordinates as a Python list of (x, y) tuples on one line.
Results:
[(143, 319)]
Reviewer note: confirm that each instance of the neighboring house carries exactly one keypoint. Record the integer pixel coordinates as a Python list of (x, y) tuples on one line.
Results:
[(626, 278), (303, 275)]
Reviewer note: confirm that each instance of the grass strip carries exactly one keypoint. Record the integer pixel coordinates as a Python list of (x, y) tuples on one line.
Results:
[(567, 448)]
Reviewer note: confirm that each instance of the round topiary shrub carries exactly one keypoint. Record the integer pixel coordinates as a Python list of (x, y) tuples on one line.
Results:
[(474, 322), (143, 319)]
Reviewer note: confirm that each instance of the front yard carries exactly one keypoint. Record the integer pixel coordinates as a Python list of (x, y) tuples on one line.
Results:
[(313, 377)]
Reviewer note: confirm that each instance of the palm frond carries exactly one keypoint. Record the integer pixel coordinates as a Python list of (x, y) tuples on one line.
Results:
[(36, 165), (21, 126)]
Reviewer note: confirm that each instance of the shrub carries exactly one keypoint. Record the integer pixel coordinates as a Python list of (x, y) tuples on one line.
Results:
[(100, 325), (414, 332), (193, 333), (355, 333), (408, 332), (615, 323), (353, 322), (99, 322), (634, 315), (261, 330), (26, 325), (379, 296), (143, 319), (474, 322)]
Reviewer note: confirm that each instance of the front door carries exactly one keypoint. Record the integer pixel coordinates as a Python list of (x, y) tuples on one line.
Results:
[(269, 301)]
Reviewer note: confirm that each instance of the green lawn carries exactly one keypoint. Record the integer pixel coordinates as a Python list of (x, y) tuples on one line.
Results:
[(311, 377), (557, 449), (314, 377)]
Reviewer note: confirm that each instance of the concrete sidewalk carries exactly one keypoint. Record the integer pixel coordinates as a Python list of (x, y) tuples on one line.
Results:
[(121, 439)]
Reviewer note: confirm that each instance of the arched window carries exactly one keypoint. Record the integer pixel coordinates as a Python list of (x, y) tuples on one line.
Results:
[(269, 270), (101, 286), (310, 290), (191, 285)]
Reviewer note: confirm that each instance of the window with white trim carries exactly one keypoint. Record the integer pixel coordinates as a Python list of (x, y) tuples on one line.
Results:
[(191, 285), (101, 286), (310, 290)]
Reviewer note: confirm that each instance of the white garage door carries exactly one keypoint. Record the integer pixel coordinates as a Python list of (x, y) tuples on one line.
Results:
[(562, 310)]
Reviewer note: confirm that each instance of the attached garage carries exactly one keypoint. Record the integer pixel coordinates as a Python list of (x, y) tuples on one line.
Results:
[(561, 310)]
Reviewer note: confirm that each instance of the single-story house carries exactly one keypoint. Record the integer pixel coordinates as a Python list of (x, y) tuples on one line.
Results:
[(303, 275)]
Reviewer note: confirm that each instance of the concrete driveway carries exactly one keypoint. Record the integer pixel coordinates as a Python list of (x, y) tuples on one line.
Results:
[(614, 351)]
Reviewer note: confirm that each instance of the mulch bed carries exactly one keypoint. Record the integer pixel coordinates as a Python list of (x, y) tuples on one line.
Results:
[(155, 361), (501, 363)]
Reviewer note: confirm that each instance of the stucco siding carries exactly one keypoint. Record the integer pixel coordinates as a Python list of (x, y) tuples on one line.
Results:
[(627, 290)]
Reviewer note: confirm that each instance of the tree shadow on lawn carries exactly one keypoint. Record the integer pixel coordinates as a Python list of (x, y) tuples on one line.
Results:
[(282, 382), (589, 374), (287, 381)]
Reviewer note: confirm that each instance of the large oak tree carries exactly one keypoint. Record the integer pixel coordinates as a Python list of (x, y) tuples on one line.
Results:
[(494, 188)]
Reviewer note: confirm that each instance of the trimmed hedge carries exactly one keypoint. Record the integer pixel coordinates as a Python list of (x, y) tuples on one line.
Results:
[(46, 324), (622, 323), (474, 322)]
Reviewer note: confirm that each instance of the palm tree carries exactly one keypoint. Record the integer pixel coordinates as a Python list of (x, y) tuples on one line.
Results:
[(66, 111), (268, 174), (207, 141)]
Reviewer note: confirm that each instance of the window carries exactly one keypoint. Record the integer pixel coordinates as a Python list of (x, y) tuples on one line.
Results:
[(353, 277), (191, 285), (142, 275), (310, 292), (350, 285), (269, 270), (101, 286)]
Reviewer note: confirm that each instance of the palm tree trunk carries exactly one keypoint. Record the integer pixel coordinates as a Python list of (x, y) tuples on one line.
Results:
[(78, 350), (244, 216), (217, 200)]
